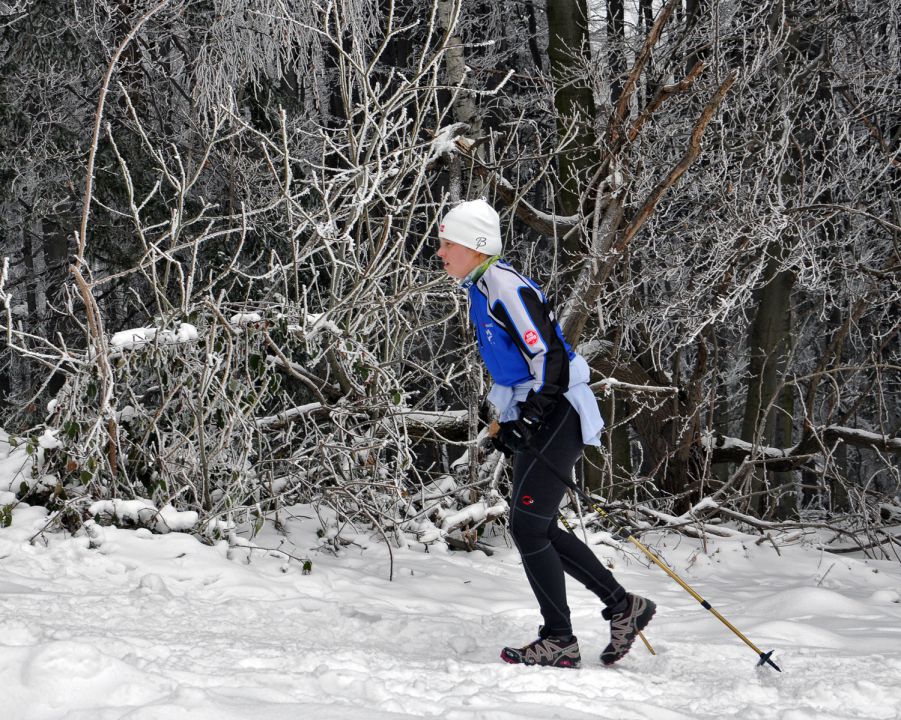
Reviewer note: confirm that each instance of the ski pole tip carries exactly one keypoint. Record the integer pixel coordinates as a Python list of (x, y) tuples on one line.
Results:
[(765, 660)]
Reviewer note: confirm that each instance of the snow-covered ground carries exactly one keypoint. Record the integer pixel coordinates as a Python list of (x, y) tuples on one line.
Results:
[(164, 627)]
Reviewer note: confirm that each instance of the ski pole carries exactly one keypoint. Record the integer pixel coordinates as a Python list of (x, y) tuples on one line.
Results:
[(764, 657)]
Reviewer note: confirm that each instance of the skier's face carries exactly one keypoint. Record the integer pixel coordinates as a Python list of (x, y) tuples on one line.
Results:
[(458, 260)]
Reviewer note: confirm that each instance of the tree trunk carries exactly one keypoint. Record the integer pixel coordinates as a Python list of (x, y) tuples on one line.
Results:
[(569, 51), (783, 433), (465, 109), (694, 11), (646, 22), (607, 469), (769, 343), (616, 48)]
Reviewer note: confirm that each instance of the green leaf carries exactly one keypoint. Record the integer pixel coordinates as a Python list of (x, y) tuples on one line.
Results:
[(307, 567)]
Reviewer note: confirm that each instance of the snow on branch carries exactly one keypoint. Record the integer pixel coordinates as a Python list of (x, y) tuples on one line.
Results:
[(608, 384), (144, 513), (473, 514), (863, 438), (139, 337), (285, 417), (730, 449), (444, 421)]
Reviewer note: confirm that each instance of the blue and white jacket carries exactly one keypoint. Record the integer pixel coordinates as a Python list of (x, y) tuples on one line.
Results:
[(523, 348)]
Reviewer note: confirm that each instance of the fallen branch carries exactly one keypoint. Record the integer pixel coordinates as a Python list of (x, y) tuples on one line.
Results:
[(730, 449)]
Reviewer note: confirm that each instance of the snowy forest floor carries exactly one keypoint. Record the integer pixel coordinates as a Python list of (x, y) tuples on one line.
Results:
[(164, 627)]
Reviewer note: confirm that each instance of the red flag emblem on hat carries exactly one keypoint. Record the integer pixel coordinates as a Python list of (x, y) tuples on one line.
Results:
[(531, 337), (441, 227)]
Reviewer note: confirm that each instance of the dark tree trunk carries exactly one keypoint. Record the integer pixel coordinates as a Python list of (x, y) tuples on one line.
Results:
[(569, 51)]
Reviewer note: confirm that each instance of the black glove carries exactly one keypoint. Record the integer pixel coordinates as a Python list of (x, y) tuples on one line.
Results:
[(515, 435), (498, 445)]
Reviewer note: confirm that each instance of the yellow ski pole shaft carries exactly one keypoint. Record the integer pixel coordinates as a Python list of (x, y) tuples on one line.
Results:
[(764, 657)]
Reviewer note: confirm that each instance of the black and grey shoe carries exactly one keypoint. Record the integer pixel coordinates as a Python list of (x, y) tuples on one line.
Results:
[(625, 626), (551, 650)]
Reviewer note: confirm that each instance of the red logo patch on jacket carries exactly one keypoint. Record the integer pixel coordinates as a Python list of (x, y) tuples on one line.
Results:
[(531, 337)]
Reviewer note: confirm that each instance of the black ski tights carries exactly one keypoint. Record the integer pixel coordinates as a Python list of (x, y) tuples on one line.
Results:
[(547, 551)]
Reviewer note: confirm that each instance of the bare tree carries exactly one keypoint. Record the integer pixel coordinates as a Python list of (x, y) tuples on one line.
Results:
[(262, 183)]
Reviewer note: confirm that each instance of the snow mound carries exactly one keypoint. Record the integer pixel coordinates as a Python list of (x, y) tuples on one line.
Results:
[(885, 596), (58, 677), (786, 634), (807, 602), (16, 633)]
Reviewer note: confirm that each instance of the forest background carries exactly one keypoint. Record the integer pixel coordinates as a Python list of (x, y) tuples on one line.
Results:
[(219, 293)]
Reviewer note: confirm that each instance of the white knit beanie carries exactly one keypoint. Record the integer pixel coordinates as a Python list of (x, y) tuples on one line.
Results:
[(473, 224)]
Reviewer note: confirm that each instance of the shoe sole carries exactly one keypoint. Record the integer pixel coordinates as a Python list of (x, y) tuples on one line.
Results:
[(564, 663)]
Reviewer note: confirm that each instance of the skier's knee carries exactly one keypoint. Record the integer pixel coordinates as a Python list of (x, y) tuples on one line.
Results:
[(527, 530)]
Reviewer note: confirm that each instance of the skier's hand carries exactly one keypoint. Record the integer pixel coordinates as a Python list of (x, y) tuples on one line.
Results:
[(494, 435), (499, 445), (516, 434)]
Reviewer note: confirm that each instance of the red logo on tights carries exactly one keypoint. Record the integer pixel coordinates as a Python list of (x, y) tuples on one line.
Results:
[(527, 500)]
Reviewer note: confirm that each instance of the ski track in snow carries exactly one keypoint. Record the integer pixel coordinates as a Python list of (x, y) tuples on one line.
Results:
[(154, 627)]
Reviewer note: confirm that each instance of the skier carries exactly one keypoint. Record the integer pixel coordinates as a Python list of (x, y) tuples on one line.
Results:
[(545, 406)]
